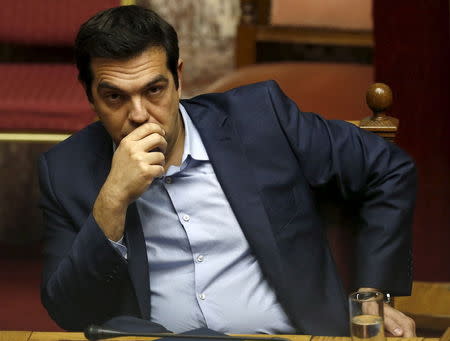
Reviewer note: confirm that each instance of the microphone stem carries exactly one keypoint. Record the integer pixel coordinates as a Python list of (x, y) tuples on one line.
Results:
[(208, 337)]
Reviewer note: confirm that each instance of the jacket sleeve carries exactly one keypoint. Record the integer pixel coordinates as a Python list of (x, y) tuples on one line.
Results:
[(82, 270), (366, 169)]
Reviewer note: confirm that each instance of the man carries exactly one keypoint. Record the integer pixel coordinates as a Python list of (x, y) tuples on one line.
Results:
[(201, 212)]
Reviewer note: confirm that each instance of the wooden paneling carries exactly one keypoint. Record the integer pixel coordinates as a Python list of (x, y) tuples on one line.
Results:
[(14, 335), (429, 305)]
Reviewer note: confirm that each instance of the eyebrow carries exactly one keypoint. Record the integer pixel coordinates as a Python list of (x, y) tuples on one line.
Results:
[(157, 79)]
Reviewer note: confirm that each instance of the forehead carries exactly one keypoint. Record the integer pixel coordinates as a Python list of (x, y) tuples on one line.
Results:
[(147, 65)]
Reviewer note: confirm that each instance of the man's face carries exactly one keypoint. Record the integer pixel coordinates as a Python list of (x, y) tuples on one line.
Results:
[(128, 93)]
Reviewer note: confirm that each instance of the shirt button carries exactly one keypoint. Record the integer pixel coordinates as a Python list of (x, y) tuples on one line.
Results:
[(186, 217), (202, 296), (200, 258), (168, 180)]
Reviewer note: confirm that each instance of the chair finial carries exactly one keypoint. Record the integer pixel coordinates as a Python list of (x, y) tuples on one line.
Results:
[(379, 100), (379, 97)]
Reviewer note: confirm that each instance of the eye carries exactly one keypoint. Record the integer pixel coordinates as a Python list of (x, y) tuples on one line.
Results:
[(154, 90), (113, 97)]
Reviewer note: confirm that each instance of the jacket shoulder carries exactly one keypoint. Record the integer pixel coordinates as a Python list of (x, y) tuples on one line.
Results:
[(243, 90), (244, 95), (87, 139)]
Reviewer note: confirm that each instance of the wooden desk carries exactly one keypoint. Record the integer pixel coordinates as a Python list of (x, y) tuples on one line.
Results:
[(52, 336)]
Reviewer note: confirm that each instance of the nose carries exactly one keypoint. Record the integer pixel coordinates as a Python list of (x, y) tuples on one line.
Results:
[(138, 113)]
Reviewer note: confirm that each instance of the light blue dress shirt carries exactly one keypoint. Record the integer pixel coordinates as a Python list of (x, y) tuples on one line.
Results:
[(202, 272)]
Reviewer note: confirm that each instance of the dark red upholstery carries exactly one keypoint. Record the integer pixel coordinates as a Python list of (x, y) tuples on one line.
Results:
[(42, 97), (36, 97), (46, 22), (21, 307)]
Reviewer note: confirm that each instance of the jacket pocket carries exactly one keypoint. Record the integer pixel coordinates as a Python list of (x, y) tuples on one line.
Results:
[(280, 205)]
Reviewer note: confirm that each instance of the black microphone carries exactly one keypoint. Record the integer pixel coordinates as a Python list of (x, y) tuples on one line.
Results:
[(94, 332)]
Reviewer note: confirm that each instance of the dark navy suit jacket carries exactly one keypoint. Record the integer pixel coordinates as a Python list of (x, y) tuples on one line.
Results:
[(269, 158)]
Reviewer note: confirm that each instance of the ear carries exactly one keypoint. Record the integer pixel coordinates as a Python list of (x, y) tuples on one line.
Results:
[(180, 75)]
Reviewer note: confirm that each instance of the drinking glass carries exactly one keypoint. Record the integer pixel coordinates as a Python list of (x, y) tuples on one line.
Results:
[(366, 316)]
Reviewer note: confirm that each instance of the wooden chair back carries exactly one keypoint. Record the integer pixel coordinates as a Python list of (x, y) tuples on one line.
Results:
[(429, 306), (305, 22)]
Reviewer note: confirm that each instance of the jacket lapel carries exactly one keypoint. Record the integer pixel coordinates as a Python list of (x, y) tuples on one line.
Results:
[(234, 174), (137, 259)]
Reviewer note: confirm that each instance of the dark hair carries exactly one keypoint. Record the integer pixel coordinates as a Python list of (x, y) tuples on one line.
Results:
[(121, 33)]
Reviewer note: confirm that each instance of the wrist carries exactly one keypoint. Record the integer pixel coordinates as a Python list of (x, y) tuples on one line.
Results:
[(387, 298), (113, 196), (109, 213)]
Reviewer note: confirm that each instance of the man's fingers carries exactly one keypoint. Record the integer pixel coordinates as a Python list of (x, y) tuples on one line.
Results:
[(154, 158), (392, 327), (144, 130), (153, 141), (371, 308), (155, 171), (397, 323)]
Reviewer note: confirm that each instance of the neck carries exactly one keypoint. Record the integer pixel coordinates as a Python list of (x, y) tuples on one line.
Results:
[(173, 157)]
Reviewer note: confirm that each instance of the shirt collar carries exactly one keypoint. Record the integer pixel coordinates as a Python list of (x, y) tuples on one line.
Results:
[(194, 150), (193, 145)]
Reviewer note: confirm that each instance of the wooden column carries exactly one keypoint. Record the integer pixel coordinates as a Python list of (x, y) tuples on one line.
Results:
[(412, 55)]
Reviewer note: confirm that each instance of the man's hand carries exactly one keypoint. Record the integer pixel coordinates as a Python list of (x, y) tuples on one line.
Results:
[(138, 159), (398, 324), (395, 322)]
